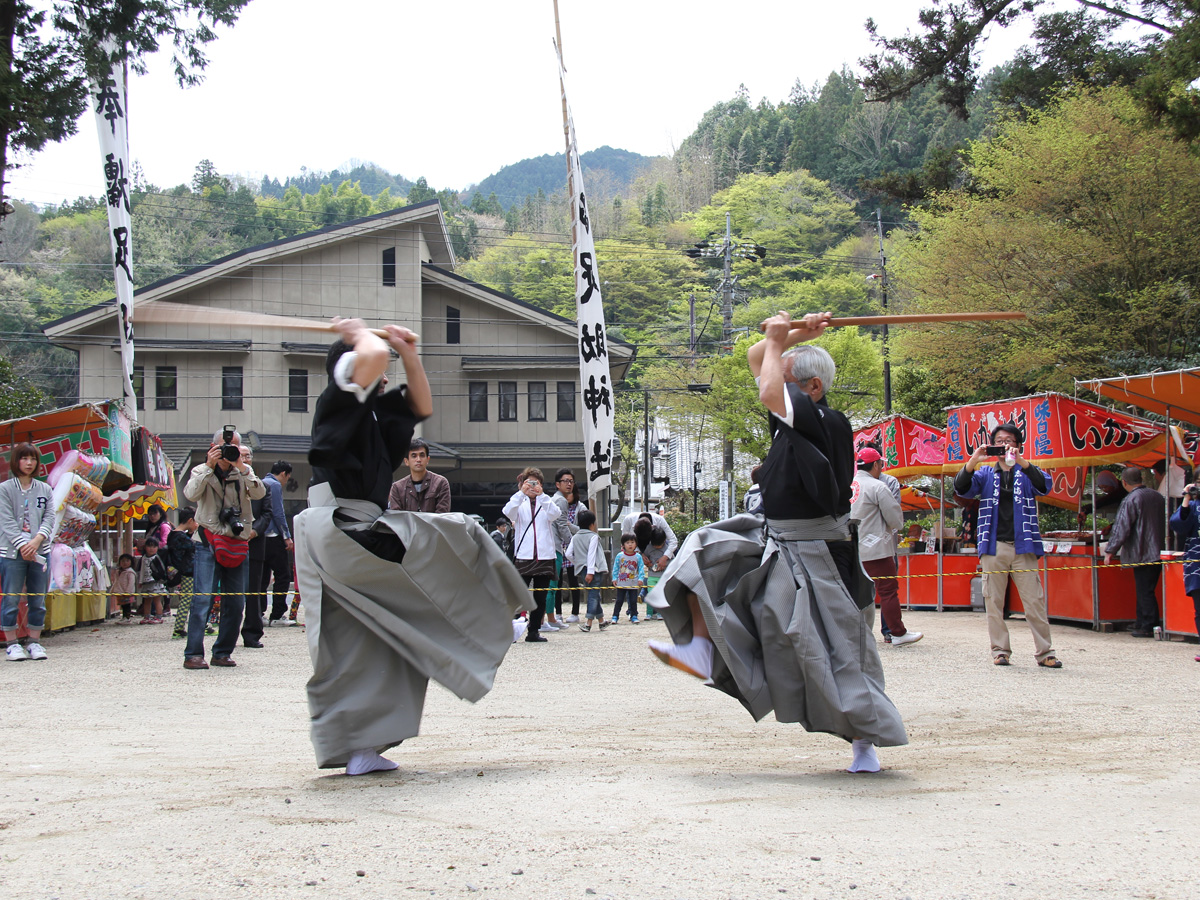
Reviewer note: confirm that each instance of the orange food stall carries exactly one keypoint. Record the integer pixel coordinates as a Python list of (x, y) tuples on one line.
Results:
[(1175, 396)]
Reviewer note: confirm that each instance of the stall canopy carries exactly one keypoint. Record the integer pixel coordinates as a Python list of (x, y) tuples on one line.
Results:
[(100, 428), (1060, 432), (1175, 394), (909, 447)]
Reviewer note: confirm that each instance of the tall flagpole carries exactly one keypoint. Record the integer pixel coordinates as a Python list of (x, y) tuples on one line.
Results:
[(593, 346)]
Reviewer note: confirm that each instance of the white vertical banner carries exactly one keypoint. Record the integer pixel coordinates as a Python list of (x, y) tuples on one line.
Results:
[(109, 102), (595, 380)]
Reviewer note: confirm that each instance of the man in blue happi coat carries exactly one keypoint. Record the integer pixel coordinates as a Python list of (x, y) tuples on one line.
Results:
[(1008, 539)]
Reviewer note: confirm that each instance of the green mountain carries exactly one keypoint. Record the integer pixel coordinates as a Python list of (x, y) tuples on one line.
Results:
[(615, 169)]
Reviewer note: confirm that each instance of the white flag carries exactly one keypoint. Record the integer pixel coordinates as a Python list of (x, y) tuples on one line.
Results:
[(108, 100), (595, 380)]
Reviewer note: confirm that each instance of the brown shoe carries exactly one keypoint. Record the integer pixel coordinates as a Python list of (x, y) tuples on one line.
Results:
[(223, 661), (194, 662)]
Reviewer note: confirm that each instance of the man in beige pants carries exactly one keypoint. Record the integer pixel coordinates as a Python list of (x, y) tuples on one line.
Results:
[(1008, 538)]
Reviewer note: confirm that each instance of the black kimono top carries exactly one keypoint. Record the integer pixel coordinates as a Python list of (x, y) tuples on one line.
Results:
[(357, 445), (809, 470)]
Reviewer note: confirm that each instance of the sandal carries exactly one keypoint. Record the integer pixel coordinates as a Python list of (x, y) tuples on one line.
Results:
[(1050, 662), (1000, 661)]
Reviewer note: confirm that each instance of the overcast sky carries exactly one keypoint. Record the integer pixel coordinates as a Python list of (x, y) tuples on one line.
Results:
[(457, 89)]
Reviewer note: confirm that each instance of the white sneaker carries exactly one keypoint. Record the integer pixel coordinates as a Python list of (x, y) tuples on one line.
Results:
[(546, 626), (909, 637), (16, 653), (695, 657), (571, 620), (36, 650)]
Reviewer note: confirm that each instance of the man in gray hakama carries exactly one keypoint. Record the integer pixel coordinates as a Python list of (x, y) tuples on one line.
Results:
[(391, 599), (777, 612)]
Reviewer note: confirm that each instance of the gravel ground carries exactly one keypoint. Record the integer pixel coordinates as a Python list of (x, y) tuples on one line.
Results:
[(591, 769)]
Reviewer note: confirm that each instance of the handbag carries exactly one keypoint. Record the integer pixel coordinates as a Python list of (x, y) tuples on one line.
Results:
[(229, 552)]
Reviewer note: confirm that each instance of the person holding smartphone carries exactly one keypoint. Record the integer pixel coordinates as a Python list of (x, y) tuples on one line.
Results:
[(1008, 538)]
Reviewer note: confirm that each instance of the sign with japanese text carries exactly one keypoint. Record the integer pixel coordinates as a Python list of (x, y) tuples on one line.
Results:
[(1058, 431), (595, 379), (109, 103), (908, 447), (89, 429)]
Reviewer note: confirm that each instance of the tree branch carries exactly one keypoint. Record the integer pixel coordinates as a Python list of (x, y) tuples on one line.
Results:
[(1125, 14)]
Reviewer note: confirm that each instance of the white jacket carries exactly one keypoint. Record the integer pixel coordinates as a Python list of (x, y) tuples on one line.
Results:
[(878, 514), (543, 535)]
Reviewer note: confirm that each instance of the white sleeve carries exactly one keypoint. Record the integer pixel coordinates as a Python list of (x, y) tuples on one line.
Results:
[(343, 377), (593, 557), (789, 414)]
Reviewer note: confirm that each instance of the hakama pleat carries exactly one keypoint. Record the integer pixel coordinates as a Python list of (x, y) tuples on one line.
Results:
[(378, 631), (788, 635)]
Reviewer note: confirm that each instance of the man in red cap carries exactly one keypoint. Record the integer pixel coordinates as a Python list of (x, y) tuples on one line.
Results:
[(877, 512)]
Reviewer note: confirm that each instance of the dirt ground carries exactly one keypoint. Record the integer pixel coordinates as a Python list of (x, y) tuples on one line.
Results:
[(591, 769)]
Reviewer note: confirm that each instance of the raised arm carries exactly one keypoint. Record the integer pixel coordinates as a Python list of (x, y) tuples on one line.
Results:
[(766, 357)]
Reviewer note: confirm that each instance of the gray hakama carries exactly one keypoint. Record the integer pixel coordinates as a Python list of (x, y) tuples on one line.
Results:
[(378, 630), (787, 634)]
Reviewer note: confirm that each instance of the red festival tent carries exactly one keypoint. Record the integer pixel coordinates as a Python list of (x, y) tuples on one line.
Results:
[(909, 447)]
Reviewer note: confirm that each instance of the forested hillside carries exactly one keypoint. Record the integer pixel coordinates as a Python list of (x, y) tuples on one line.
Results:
[(1055, 195)]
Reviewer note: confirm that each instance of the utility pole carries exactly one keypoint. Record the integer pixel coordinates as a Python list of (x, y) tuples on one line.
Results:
[(692, 325), (646, 473), (883, 288), (727, 338), (727, 250)]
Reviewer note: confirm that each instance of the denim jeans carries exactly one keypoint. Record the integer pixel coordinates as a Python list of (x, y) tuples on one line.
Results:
[(210, 577), (21, 575), (594, 609)]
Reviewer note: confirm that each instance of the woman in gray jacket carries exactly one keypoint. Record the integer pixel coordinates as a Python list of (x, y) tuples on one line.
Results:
[(26, 526)]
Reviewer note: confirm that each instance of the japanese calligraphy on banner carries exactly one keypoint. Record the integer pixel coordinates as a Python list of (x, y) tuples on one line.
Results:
[(1059, 431), (109, 102), (909, 447), (595, 379), (1066, 487)]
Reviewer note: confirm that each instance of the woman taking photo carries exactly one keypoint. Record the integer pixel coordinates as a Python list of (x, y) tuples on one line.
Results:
[(535, 542), (26, 524)]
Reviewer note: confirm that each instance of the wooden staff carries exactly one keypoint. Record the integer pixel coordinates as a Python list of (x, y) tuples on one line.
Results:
[(916, 318), (161, 312)]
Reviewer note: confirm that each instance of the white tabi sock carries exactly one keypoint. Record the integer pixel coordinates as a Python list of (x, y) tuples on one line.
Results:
[(694, 657), (865, 759), (364, 761)]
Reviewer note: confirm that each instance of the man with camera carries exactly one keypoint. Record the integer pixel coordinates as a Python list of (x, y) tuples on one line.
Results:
[(222, 488), (1008, 538), (1137, 535)]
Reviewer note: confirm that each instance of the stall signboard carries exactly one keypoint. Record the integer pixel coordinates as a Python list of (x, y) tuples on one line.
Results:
[(1066, 487), (909, 447), (1059, 431), (154, 481), (102, 429)]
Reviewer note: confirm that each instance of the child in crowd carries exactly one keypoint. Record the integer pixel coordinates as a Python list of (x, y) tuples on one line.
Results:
[(587, 559), (124, 586), (152, 577), (655, 550), (628, 574)]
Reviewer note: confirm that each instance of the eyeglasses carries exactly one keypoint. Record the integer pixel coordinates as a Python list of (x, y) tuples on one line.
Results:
[(566, 481)]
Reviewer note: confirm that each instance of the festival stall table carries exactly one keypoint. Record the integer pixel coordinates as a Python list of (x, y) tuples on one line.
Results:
[(135, 475), (912, 449), (1062, 436), (1175, 396)]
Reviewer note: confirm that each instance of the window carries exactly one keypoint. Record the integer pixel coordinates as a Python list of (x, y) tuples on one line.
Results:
[(537, 401), (297, 390), (453, 326), (165, 387), (508, 401), (139, 385), (477, 410), (389, 267), (566, 401), (231, 387)]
